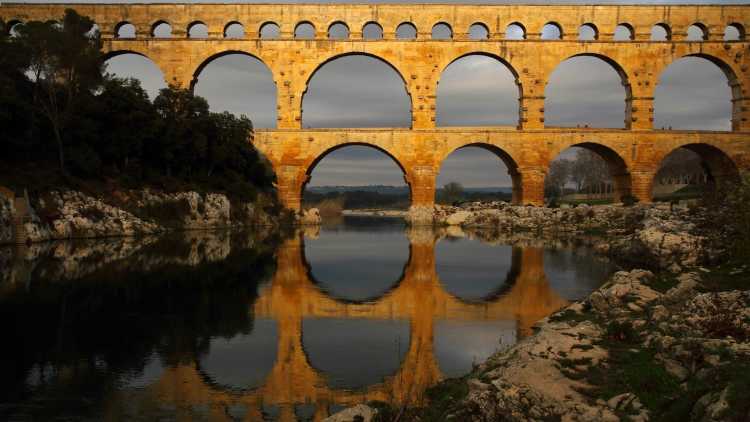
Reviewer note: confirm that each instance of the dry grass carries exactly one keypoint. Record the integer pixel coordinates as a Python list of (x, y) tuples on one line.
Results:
[(330, 207)]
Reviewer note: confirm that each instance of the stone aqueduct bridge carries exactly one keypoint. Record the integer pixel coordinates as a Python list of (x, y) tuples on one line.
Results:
[(293, 295), (633, 153)]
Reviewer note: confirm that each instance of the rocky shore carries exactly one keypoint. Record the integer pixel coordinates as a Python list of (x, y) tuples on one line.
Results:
[(70, 214), (668, 342)]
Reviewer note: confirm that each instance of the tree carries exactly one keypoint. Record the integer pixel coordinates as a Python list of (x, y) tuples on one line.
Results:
[(16, 115), (452, 192), (558, 176), (64, 62)]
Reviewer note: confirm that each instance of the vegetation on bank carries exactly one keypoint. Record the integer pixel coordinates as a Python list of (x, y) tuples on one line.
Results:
[(68, 124)]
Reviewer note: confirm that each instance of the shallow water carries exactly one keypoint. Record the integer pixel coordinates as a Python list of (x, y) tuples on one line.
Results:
[(230, 326)]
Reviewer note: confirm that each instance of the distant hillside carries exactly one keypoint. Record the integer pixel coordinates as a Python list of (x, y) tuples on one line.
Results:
[(396, 190)]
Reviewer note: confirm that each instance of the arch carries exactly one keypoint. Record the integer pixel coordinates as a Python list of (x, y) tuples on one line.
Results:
[(734, 32), (479, 31), (697, 32), (552, 31), (351, 54), (515, 31), (663, 117), (661, 32), (263, 113), (624, 32), (197, 29), (442, 31), (617, 167), (152, 80), (507, 159), (125, 30), (161, 29), (718, 166), (269, 31), (304, 30), (11, 27), (491, 90), (406, 31), (588, 32), (234, 29), (372, 31), (311, 163), (338, 31), (619, 71)]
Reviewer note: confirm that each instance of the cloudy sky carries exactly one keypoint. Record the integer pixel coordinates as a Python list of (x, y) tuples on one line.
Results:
[(358, 91)]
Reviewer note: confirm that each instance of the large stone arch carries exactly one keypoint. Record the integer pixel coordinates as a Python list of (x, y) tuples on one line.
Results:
[(617, 67), (720, 165), (730, 68), (508, 156), (615, 157), (216, 55), (390, 63), (309, 164), (450, 60)]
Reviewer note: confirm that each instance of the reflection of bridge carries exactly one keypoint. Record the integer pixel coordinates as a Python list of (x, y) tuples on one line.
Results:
[(633, 153), (292, 296)]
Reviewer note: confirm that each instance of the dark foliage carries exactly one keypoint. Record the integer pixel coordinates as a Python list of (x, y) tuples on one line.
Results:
[(58, 109)]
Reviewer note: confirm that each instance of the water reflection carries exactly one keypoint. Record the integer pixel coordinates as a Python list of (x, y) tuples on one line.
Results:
[(286, 329)]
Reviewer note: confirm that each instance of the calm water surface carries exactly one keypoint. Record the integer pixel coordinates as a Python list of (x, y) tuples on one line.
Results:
[(230, 326)]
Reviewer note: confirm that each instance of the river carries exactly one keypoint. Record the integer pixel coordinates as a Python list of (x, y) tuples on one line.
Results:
[(295, 326)]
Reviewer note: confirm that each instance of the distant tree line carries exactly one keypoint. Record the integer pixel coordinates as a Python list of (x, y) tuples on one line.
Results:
[(359, 199), (60, 109)]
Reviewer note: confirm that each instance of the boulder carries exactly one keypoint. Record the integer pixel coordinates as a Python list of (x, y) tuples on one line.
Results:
[(358, 413)]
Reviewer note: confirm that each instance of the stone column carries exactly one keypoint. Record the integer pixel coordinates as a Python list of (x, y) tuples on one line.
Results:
[(423, 99), (641, 183), (532, 112), (640, 113), (421, 180), (289, 183), (289, 102), (621, 183), (740, 109), (532, 185)]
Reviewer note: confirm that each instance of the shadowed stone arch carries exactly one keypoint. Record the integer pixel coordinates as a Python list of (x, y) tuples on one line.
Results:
[(619, 168), (624, 80), (157, 24), (511, 163), (335, 57), (719, 166)]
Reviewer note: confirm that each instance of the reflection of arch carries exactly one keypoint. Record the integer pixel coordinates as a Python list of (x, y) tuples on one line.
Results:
[(505, 157), (215, 56), (620, 72), (719, 166), (310, 165), (500, 60), (732, 81), (320, 283), (356, 53), (618, 167), (501, 290)]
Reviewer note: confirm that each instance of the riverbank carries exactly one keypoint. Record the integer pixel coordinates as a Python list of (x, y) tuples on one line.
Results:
[(668, 342), (58, 215)]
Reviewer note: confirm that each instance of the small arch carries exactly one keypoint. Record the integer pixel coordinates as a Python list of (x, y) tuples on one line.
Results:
[(624, 32), (406, 31), (269, 31), (198, 30), (338, 31), (691, 169), (372, 31), (734, 32), (661, 32), (125, 30), (515, 31), (304, 31), (552, 31), (479, 31), (442, 31), (12, 27), (588, 32), (234, 30), (161, 29), (603, 173), (697, 32)]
